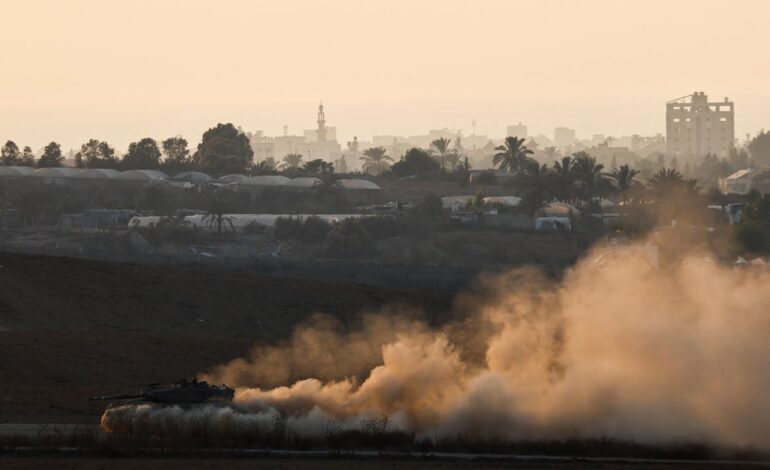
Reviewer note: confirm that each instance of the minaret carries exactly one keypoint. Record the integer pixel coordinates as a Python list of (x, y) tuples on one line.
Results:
[(321, 123)]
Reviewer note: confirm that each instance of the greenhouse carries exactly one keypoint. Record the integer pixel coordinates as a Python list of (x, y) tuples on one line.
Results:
[(359, 184), (193, 177), (142, 175)]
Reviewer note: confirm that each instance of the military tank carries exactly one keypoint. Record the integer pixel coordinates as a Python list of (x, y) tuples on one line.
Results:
[(185, 392)]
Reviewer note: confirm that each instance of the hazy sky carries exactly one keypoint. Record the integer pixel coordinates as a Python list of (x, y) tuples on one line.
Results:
[(121, 70)]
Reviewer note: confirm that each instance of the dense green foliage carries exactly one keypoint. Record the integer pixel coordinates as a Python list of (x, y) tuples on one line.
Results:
[(142, 155), (348, 239), (51, 157), (416, 162), (223, 149)]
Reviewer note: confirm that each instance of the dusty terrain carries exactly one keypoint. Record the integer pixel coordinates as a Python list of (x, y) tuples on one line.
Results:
[(328, 463), (71, 328)]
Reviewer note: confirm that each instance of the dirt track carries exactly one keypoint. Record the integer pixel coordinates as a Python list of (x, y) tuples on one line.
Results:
[(70, 329)]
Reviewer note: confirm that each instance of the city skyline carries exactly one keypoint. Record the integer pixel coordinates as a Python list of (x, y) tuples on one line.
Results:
[(177, 68)]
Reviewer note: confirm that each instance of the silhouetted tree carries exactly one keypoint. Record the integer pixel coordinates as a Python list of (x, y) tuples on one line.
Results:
[(52, 156), (318, 166), (759, 148), (223, 149), (265, 167), (533, 183), (177, 155), (348, 239), (375, 161), (665, 179), (452, 159), (292, 161), (589, 178), (512, 155), (415, 162), (10, 154), (441, 147), (96, 154), (551, 153), (562, 169), (676, 198), (218, 208), (27, 157), (623, 177), (142, 155), (328, 188)]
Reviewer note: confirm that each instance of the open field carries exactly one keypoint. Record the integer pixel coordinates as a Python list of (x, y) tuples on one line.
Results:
[(322, 463), (71, 328)]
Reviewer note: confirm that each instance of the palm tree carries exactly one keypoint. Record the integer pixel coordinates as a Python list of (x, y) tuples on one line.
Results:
[(442, 147), (375, 160), (216, 216), (666, 176), (292, 160), (589, 176), (533, 184), (551, 153), (562, 170), (624, 180), (512, 155), (667, 180), (453, 159), (328, 186), (265, 167)]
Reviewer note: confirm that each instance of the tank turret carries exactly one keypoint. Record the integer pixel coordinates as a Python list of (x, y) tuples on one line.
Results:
[(183, 392)]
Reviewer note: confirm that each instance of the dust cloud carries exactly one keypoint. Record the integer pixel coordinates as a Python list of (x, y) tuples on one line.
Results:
[(619, 347)]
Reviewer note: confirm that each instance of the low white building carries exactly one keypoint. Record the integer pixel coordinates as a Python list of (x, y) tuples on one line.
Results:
[(737, 183)]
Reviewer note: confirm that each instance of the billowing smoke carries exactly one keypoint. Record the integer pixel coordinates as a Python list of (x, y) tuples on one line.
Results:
[(617, 348)]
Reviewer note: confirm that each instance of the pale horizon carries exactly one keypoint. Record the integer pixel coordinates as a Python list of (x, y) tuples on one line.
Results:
[(123, 71)]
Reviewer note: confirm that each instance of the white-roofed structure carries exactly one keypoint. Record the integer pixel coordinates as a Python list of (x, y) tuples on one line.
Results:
[(54, 172), (192, 177), (233, 178), (509, 201), (96, 173), (606, 203), (269, 180), (359, 184), (141, 175), (456, 202), (737, 183), (236, 221), (302, 183), (11, 171), (560, 209), (145, 221)]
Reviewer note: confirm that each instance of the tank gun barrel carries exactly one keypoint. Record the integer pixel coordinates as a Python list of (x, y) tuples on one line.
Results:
[(118, 396)]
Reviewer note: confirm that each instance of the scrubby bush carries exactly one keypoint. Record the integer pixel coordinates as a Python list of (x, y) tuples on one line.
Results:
[(173, 230), (348, 239), (485, 177), (431, 207), (286, 228), (752, 237), (253, 228), (313, 229), (386, 226), (754, 233)]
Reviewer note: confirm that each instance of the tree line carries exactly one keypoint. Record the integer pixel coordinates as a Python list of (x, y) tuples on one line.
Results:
[(223, 149), (579, 179)]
